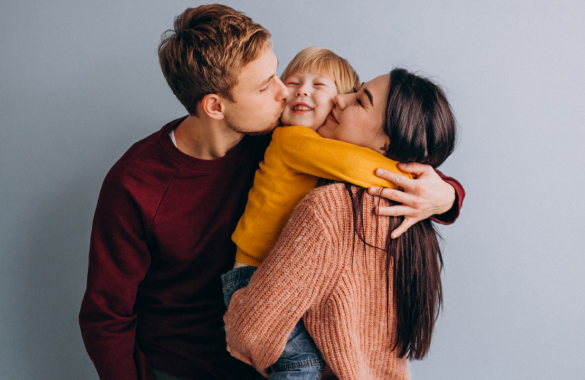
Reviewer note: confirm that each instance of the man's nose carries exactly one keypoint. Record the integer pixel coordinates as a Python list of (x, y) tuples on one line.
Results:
[(283, 91)]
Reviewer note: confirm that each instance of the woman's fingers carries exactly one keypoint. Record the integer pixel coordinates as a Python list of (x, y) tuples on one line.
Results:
[(236, 354), (397, 179), (263, 373), (414, 168), (426, 195), (392, 194), (405, 225), (394, 211)]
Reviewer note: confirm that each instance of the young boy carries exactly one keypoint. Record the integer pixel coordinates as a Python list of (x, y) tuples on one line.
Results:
[(294, 161)]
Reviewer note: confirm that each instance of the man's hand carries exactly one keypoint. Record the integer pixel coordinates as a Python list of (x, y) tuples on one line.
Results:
[(237, 354), (421, 198)]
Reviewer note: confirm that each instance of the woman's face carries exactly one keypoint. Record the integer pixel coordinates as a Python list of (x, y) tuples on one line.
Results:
[(358, 118)]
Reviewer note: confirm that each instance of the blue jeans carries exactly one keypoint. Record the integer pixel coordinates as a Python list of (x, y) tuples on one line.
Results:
[(301, 359)]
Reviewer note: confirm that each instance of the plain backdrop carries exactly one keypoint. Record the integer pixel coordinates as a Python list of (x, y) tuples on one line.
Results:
[(80, 82)]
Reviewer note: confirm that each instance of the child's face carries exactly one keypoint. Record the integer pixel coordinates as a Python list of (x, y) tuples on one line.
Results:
[(310, 99)]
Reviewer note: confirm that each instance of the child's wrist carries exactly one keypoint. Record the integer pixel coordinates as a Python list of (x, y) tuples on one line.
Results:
[(238, 264)]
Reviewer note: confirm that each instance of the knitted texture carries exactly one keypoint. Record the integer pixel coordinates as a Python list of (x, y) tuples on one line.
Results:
[(293, 162), (321, 271)]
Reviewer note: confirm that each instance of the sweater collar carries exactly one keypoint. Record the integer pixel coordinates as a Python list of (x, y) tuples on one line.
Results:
[(193, 162)]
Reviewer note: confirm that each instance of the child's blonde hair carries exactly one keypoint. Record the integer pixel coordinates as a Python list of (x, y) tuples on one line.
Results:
[(320, 60)]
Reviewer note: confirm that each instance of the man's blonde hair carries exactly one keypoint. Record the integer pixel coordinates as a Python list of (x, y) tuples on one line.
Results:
[(206, 50), (319, 60)]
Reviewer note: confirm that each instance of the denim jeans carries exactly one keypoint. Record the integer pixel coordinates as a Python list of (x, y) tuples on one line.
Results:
[(301, 359)]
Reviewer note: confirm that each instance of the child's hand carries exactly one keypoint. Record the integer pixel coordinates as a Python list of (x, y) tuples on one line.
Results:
[(421, 198)]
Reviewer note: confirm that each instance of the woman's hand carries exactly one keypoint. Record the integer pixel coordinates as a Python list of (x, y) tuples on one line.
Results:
[(421, 198), (231, 348)]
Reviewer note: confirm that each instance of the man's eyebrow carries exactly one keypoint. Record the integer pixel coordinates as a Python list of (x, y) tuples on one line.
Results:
[(369, 94)]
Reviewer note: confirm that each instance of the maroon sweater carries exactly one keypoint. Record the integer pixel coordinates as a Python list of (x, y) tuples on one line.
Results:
[(159, 243)]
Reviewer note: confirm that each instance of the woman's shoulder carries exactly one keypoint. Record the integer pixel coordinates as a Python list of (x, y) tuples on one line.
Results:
[(337, 196), (333, 204), (330, 203), (333, 196)]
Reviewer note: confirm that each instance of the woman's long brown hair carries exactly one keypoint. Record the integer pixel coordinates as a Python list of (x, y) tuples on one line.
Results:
[(421, 128)]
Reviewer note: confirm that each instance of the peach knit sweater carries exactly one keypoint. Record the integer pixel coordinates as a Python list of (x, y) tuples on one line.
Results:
[(320, 271)]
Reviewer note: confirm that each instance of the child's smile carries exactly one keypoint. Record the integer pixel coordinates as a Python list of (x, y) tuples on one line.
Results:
[(301, 108), (310, 99)]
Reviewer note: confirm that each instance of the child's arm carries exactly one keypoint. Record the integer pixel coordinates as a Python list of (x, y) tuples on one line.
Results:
[(304, 151)]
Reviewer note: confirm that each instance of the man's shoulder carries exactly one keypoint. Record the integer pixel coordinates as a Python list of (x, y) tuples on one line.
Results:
[(145, 166)]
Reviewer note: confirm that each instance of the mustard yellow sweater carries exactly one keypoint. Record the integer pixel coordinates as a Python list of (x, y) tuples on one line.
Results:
[(293, 162)]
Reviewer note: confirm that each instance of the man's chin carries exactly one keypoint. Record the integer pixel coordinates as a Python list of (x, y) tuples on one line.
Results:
[(260, 133), (264, 131)]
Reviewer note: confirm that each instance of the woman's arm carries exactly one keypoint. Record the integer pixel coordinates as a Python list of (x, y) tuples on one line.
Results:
[(297, 274), (431, 194)]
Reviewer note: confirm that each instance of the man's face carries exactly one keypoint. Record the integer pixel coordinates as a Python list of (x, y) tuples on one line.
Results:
[(259, 97)]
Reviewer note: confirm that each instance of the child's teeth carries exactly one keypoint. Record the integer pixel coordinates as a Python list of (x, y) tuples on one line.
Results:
[(302, 108)]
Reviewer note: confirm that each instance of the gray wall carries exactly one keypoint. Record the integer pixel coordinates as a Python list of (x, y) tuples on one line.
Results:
[(79, 83)]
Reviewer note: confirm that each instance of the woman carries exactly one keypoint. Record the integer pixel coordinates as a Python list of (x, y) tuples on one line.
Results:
[(368, 301)]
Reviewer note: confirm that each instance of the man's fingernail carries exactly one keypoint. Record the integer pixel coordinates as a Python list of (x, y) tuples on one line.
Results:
[(380, 172)]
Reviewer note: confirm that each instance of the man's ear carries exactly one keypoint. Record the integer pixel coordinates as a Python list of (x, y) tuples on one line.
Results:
[(213, 106)]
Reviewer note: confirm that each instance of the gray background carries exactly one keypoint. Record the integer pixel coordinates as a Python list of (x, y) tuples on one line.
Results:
[(80, 82)]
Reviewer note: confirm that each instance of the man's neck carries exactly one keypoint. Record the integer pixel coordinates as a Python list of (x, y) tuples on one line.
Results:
[(205, 138)]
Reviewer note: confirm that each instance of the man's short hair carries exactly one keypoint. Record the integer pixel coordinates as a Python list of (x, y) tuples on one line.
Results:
[(206, 51), (320, 60)]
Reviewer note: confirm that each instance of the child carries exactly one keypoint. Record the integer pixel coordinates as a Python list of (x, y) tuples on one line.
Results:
[(294, 161)]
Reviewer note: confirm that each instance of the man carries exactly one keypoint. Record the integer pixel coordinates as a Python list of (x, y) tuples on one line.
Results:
[(161, 235)]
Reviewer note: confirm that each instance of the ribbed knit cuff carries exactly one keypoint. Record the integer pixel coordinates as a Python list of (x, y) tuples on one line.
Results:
[(244, 258)]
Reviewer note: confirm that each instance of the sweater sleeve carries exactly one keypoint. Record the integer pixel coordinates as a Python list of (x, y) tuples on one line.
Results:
[(451, 216), (294, 277), (304, 151), (118, 261)]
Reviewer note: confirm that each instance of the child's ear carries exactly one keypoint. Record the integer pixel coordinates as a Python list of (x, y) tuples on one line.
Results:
[(213, 106)]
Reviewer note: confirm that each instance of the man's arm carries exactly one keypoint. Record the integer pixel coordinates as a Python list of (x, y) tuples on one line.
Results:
[(118, 261), (431, 194)]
